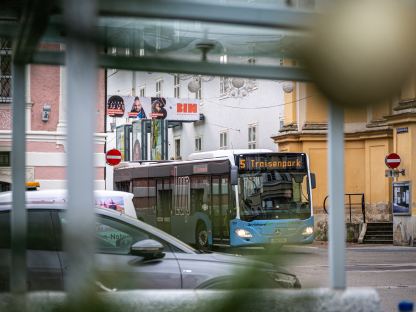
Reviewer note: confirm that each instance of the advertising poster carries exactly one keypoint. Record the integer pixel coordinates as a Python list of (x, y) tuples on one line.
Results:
[(137, 140), (110, 202), (401, 198), (157, 139), (115, 106), (158, 108), (120, 140), (137, 110), (173, 109)]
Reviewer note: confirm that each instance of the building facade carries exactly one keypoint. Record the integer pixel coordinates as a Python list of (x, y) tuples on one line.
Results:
[(45, 124), (234, 113), (231, 117), (371, 133)]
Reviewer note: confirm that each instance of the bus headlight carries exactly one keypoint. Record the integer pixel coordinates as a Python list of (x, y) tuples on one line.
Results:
[(243, 233), (307, 231)]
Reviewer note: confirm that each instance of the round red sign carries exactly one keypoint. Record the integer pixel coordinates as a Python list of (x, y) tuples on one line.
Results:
[(392, 160), (113, 157)]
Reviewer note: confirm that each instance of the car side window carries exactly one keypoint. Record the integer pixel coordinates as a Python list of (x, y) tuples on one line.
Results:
[(39, 230), (5, 230), (116, 237)]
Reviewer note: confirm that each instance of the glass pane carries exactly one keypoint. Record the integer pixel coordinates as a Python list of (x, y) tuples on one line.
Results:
[(6, 65), (39, 229), (4, 159), (179, 39), (115, 237), (5, 88), (5, 230)]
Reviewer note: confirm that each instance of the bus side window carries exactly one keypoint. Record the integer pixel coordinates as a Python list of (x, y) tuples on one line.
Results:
[(200, 194)]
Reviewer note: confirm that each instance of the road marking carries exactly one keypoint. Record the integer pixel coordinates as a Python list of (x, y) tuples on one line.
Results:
[(394, 287), (369, 267), (383, 248)]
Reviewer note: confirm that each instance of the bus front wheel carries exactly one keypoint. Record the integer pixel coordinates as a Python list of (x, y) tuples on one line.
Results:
[(201, 236)]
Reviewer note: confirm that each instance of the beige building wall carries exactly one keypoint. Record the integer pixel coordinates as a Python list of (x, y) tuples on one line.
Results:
[(370, 135)]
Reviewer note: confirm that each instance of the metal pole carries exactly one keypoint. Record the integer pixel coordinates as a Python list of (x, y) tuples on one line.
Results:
[(18, 213), (81, 79), (336, 197)]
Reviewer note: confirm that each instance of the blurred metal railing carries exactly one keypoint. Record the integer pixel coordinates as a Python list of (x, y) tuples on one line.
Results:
[(81, 79), (350, 204)]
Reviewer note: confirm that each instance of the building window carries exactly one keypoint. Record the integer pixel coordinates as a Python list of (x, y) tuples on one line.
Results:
[(176, 86), (5, 71), (177, 148), (159, 88), (223, 86), (198, 144), (252, 129), (223, 140), (142, 91), (4, 159)]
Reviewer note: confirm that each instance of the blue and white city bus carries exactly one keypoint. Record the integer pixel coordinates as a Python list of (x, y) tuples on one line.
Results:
[(232, 197)]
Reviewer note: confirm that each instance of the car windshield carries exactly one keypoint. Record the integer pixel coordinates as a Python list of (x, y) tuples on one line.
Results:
[(274, 195)]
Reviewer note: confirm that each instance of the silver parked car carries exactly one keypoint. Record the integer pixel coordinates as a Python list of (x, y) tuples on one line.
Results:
[(130, 254)]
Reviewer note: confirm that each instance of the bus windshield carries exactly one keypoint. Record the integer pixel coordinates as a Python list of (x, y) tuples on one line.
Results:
[(274, 194)]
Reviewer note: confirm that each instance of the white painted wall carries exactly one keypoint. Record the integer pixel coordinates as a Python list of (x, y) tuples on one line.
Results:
[(234, 115)]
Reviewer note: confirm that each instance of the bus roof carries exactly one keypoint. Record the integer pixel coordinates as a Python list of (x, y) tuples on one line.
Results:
[(227, 153)]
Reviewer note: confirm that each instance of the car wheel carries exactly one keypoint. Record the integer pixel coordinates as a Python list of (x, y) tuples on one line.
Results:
[(201, 236)]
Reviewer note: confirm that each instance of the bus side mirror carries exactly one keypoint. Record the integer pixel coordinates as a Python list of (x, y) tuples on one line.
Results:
[(313, 180), (234, 175)]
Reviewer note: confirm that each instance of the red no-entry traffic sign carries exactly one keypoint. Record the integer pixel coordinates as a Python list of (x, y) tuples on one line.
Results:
[(392, 160), (113, 157)]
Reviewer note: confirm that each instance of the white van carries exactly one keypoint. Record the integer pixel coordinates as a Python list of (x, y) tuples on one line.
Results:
[(115, 200)]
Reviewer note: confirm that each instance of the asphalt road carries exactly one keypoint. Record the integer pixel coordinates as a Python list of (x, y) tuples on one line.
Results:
[(391, 270)]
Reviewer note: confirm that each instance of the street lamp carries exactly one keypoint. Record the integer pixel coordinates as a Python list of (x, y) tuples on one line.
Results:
[(287, 86), (194, 85), (238, 87)]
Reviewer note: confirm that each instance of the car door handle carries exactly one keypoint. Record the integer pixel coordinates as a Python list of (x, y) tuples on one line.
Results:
[(102, 287)]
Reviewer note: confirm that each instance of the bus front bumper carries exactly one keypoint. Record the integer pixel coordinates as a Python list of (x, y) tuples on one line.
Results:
[(265, 232)]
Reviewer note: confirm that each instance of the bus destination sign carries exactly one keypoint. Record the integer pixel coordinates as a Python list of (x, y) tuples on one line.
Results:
[(271, 162)]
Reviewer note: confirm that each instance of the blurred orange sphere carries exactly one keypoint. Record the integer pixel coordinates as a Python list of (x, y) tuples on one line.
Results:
[(362, 51)]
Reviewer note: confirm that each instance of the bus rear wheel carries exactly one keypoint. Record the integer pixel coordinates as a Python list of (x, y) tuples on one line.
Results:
[(201, 236)]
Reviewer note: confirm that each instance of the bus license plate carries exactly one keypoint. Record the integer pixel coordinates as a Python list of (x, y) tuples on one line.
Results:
[(279, 240)]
